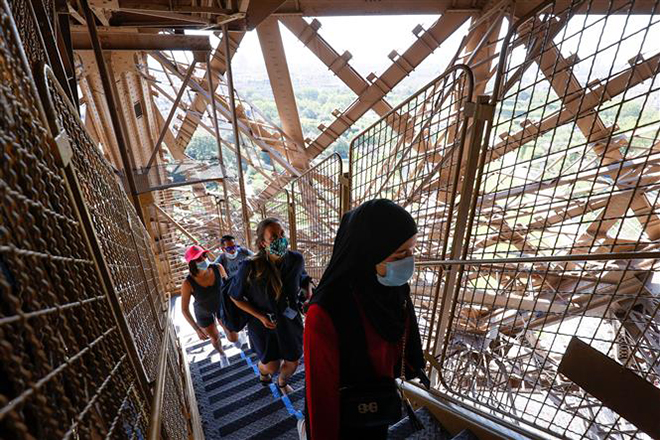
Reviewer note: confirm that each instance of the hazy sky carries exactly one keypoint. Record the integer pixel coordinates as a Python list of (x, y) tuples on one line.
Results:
[(369, 39)]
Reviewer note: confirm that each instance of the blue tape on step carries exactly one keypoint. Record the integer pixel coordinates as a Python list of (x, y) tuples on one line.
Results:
[(289, 407), (250, 363), (273, 389)]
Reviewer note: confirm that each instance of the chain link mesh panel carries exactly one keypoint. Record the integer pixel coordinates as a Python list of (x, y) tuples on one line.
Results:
[(28, 29), (316, 197), (199, 215), (278, 207), (412, 156), (314, 201), (64, 368), (565, 232), (117, 228), (175, 423)]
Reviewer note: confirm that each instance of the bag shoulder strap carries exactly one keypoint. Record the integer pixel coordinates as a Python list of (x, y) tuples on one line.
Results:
[(404, 340), (216, 273), (192, 282)]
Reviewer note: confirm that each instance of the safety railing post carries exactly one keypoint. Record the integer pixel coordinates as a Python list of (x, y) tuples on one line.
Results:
[(345, 194), (237, 136), (291, 208), (481, 113), (156, 419)]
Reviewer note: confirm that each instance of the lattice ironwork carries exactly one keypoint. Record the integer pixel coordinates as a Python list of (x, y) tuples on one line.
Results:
[(412, 156), (265, 147), (64, 367), (316, 198), (563, 240)]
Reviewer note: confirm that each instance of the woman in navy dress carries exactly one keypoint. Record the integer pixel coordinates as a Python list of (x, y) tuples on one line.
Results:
[(266, 287)]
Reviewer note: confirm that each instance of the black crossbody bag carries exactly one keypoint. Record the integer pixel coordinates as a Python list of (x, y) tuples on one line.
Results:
[(375, 403)]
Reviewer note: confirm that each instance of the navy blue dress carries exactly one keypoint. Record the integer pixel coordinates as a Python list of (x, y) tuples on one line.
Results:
[(285, 342)]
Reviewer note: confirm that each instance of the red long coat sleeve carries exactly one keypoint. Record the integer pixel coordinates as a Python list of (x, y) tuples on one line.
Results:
[(322, 369)]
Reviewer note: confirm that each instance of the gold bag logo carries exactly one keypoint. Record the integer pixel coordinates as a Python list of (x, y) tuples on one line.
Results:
[(371, 407)]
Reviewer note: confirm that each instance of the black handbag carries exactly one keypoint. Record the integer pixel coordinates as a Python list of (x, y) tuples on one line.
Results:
[(376, 403), (372, 404)]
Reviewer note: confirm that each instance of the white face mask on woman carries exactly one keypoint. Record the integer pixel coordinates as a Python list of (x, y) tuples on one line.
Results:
[(203, 265), (398, 272)]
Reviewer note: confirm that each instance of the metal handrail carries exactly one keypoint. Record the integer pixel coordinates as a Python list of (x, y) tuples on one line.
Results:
[(544, 259)]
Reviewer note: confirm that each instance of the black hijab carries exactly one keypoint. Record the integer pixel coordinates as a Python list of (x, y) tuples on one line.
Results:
[(367, 235)]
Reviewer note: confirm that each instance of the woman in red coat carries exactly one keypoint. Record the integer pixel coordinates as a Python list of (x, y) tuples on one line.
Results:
[(359, 316)]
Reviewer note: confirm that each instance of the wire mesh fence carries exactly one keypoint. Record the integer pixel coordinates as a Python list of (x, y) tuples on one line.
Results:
[(64, 367), (185, 217), (278, 207), (28, 30), (413, 157), (175, 423), (309, 210), (316, 199), (83, 316), (563, 238), (115, 223)]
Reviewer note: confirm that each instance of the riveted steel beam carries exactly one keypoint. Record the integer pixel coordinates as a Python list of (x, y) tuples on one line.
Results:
[(427, 41), (308, 34), (272, 49), (140, 41)]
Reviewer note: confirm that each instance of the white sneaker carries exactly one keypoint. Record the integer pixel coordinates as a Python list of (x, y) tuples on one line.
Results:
[(243, 339), (302, 433)]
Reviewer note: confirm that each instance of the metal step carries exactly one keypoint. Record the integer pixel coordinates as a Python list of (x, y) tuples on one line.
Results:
[(432, 429), (233, 404)]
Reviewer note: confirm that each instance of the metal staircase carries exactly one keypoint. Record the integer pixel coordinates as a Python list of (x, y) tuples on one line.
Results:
[(234, 405)]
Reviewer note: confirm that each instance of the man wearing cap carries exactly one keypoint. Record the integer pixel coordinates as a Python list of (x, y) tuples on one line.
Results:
[(232, 255), (204, 283)]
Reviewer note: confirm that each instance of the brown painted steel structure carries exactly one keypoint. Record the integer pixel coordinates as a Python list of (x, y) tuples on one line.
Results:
[(530, 166)]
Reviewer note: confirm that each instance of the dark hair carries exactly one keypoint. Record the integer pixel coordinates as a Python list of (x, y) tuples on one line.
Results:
[(226, 238), (263, 267)]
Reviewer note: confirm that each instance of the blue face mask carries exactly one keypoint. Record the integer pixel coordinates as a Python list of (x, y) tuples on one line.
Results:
[(279, 246), (203, 265), (398, 272)]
